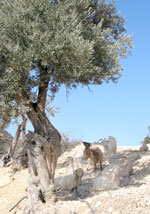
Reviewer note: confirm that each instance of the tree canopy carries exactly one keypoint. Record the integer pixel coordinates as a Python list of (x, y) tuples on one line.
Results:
[(44, 44)]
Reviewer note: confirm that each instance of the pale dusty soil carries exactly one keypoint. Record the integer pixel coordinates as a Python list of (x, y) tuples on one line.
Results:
[(132, 197)]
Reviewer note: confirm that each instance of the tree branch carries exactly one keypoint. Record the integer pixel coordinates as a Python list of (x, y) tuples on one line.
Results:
[(15, 141), (23, 126), (43, 87), (32, 106)]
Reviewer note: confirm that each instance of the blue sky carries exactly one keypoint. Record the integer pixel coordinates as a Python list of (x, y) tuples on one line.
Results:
[(123, 109)]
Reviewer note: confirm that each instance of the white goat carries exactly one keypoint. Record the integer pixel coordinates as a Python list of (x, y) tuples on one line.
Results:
[(110, 147), (125, 169), (107, 181), (94, 155), (143, 147), (69, 182)]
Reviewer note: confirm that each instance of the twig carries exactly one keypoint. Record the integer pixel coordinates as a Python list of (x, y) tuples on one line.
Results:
[(17, 203), (72, 163), (89, 89), (89, 206)]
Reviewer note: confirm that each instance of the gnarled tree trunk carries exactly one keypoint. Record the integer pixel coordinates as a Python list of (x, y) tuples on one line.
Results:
[(43, 152)]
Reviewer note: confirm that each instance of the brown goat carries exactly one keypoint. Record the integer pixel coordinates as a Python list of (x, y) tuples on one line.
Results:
[(94, 155)]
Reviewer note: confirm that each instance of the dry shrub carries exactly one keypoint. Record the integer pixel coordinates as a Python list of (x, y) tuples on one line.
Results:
[(147, 140), (68, 143)]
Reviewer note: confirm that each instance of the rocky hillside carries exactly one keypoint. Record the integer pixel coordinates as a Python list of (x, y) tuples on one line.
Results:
[(131, 197), (5, 140)]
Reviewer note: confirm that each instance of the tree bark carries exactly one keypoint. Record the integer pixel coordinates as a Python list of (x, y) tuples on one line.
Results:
[(15, 141), (23, 127), (43, 152)]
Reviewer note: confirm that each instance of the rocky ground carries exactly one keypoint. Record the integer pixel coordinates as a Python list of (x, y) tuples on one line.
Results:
[(132, 197)]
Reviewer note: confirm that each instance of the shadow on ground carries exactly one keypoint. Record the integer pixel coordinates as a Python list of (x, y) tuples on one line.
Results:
[(136, 178)]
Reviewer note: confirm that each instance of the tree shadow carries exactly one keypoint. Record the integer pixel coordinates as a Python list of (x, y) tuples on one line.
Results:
[(83, 191), (140, 170)]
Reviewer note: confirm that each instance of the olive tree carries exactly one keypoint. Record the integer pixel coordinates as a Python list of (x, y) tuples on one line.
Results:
[(47, 44)]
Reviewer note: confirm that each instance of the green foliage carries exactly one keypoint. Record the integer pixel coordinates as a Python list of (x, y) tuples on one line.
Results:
[(50, 111), (147, 140), (70, 42)]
